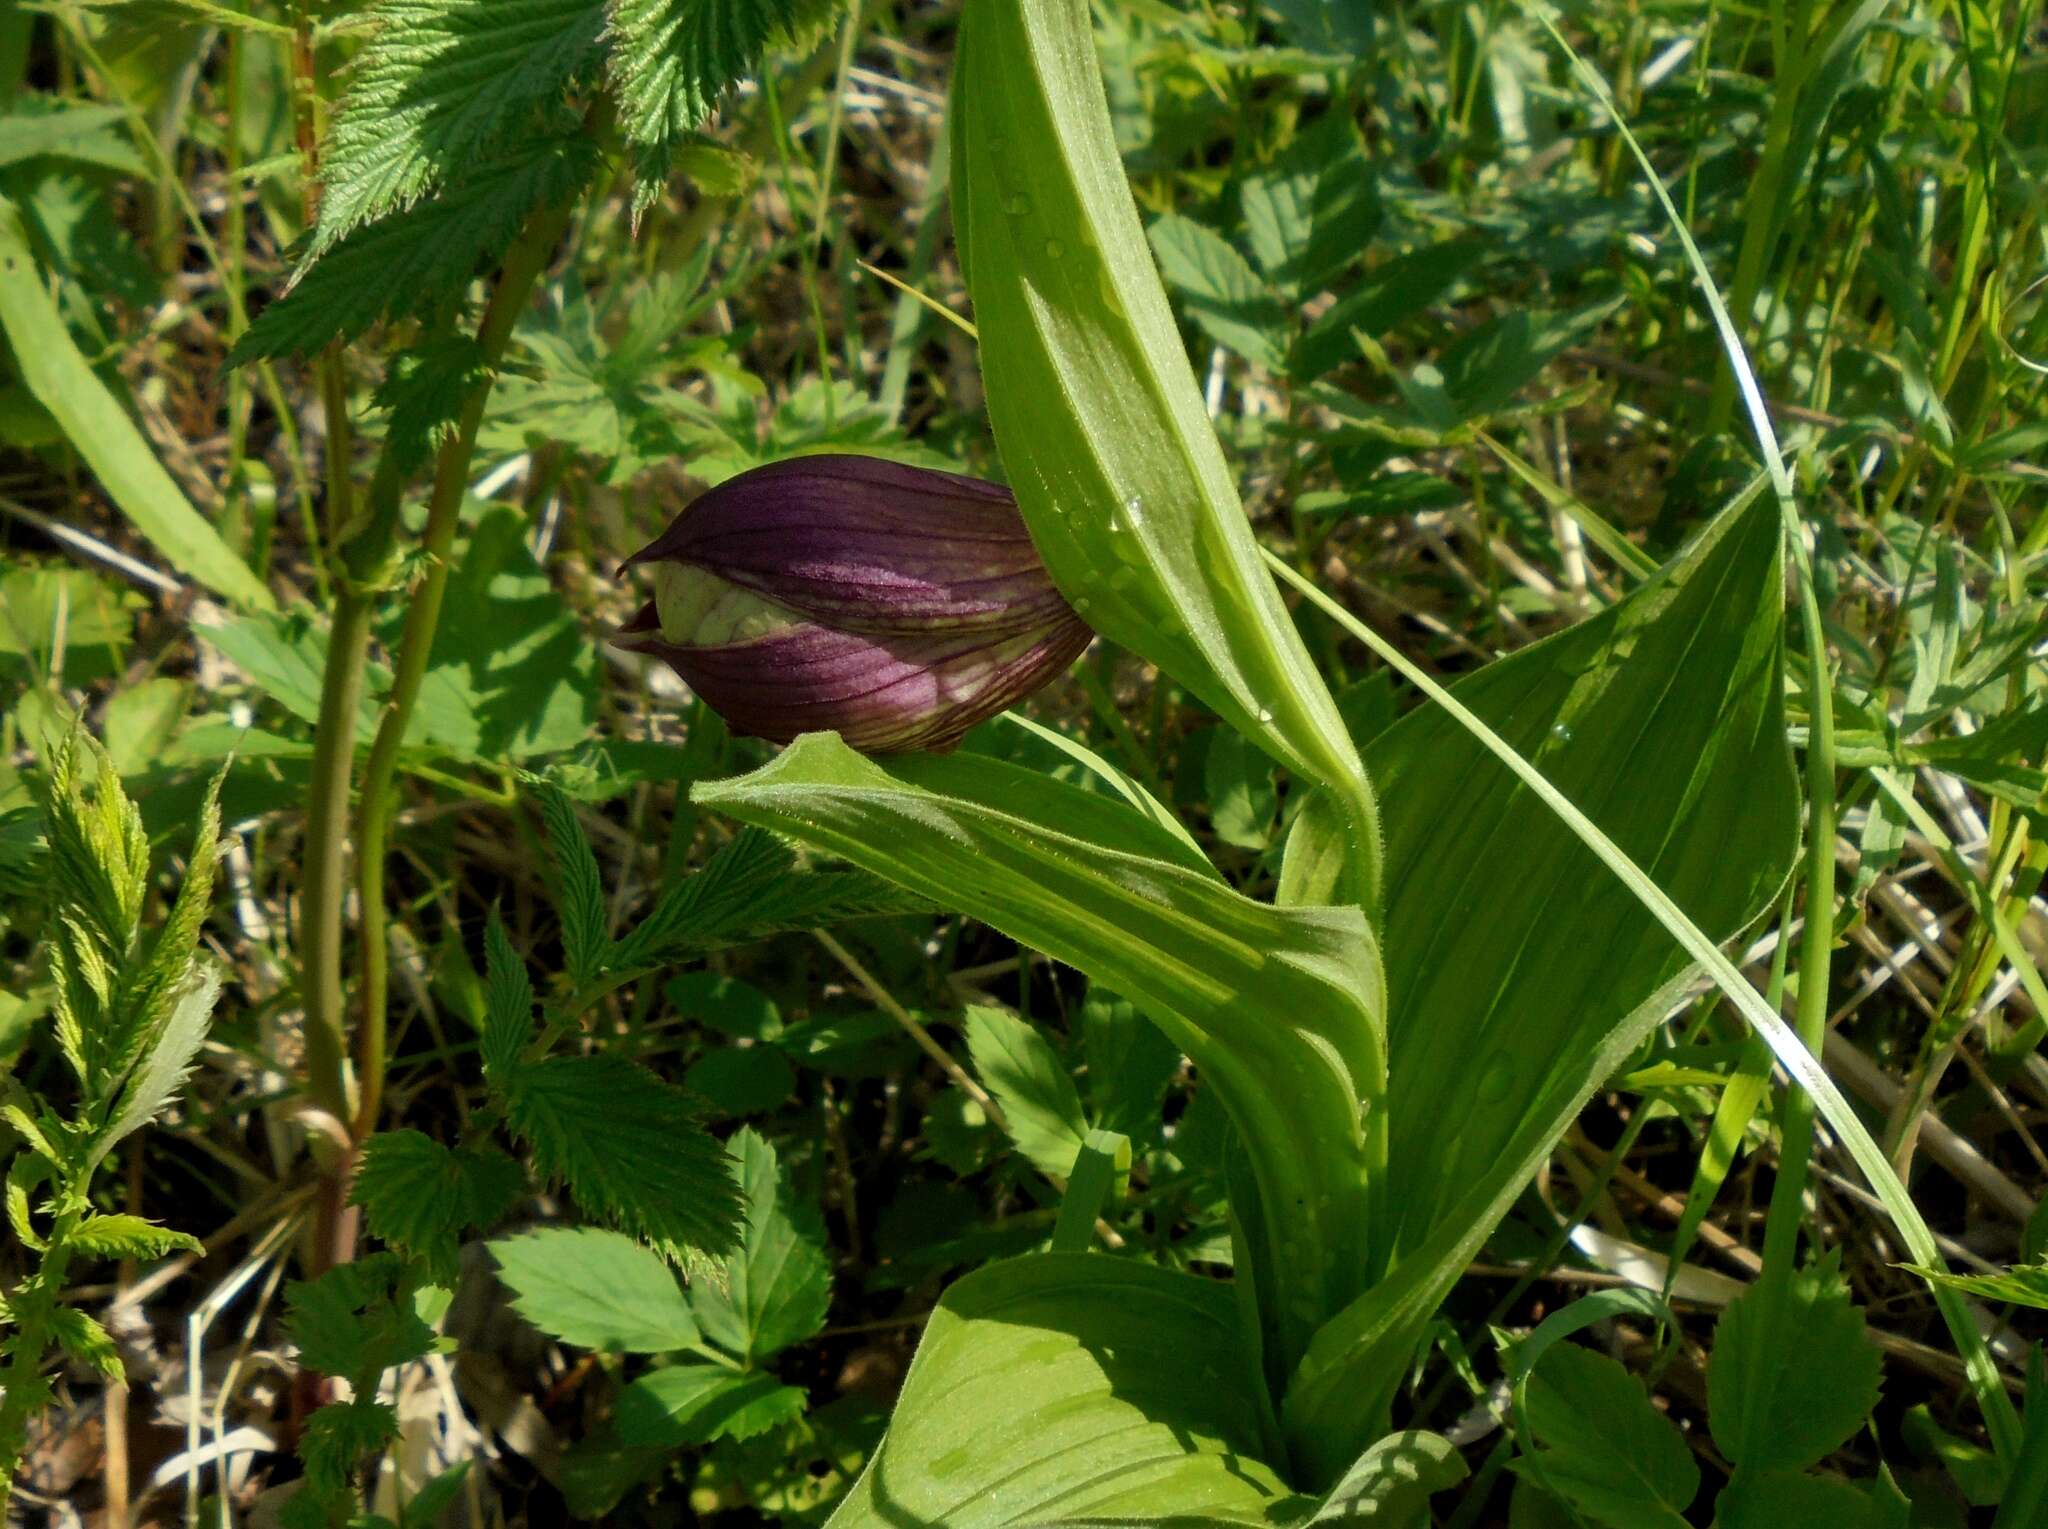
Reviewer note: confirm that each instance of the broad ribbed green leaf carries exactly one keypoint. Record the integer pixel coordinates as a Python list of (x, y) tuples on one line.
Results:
[(1074, 1386), (1278, 1007), (1095, 407), (99, 429), (1520, 972)]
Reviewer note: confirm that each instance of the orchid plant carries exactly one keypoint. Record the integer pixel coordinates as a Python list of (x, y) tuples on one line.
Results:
[(1400, 1037)]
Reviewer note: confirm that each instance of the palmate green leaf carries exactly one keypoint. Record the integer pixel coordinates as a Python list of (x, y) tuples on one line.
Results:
[(357, 1320), (1032, 1085), (630, 1148), (1663, 719), (413, 261), (1073, 1387), (1605, 1449), (421, 1196), (441, 86), (670, 61), (100, 431), (1787, 1500), (778, 1282), (1793, 1374), (1096, 410), (1277, 1007), (597, 1290)]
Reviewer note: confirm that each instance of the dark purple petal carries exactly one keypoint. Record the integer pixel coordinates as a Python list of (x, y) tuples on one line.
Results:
[(881, 694), (869, 545)]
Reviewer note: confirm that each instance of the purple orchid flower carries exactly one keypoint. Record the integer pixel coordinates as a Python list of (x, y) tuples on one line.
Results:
[(895, 605)]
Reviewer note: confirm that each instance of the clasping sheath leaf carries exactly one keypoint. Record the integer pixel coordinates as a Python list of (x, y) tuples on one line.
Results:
[(1096, 410), (1280, 1008)]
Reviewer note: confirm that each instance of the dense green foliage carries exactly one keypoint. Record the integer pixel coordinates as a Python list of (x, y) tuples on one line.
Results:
[(1556, 800)]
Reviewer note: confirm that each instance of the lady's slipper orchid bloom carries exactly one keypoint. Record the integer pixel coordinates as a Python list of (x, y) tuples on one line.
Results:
[(895, 605)]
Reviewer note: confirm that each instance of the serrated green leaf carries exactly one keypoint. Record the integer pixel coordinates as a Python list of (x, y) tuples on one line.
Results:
[(1037, 1094), (420, 1196), (129, 1237), (1219, 289), (163, 1069), (630, 1149), (442, 85), (423, 394), (596, 1289), (86, 1342), (2021, 1285), (1788, 1500), (357, 1320), (752, 888), (508, 1005), (411, 262), (1131, 1063), (778, 1283), (670, 61), (578, 889), (696, 1403), (338, 1436), (1605, 1449), (1793, 1373)]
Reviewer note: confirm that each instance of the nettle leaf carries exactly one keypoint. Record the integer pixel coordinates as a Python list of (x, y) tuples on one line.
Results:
[(412, 262), (671, 60), (1070, 1387), (1031, 1084), (1793, 1373), (421, 1196), (696, 1403), (1277, 1007), (357, 1320), (597, 1290), (750, 889), (578, 891), (508, 1005), (85, 1342), (630, 1148), (1605, 1449), (423, 394), (778, 1283), (440, 86), (129, 1237), (338, 1436)]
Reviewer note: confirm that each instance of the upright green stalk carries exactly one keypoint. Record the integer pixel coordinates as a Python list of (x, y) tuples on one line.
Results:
[(523, 265)]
